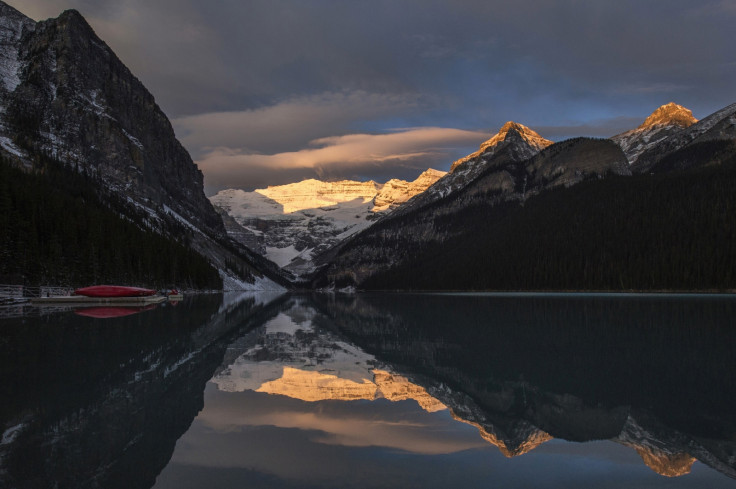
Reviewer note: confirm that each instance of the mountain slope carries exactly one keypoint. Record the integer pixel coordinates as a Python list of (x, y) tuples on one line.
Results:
[(669, 231), (67, 96), (290, 224), (505, 179), (664, 122), (513, 141)]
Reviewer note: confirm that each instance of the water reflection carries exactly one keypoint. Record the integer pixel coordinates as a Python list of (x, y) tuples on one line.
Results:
[(652, 373), (289, 356), (108, 312), (429, 365), (100, 403), (374, 391)]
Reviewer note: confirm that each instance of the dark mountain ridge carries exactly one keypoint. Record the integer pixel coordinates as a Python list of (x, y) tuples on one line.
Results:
[(525, 225), (503, 179), (66, 97), (671, 231)]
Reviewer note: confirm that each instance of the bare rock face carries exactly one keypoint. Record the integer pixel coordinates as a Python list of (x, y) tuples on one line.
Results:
[(669, 114), (664, 122), (71, 97), (572, 161), (13, 25)]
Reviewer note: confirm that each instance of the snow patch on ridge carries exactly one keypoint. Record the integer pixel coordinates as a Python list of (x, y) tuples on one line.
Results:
[(282, 256), (11, 148), (12, 25), (232, 283)]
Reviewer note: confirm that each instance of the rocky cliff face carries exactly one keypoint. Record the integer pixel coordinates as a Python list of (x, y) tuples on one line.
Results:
[(13, 25), (664, 122), (65, 94), (75, 100), (572, 161), (292, 223)]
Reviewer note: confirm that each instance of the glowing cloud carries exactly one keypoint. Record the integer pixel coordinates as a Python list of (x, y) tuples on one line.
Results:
[(416, 148)]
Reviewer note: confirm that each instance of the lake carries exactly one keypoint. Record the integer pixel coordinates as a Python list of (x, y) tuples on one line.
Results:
[(372, 391)]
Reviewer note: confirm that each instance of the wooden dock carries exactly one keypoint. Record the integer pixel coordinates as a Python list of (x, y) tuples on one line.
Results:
[(87, 301)]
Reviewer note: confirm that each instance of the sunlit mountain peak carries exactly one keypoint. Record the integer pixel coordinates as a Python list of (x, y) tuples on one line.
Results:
[(670, 114), (664, 122), (508, 132)]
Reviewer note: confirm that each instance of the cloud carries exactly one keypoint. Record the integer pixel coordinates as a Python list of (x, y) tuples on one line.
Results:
[(290, 124), (269, 77), (371, 155)]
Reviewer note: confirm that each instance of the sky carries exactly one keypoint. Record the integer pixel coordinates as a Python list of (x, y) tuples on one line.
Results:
[(268, 92)]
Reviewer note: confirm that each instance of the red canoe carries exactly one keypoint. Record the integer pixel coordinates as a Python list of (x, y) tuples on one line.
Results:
[(113, 291)]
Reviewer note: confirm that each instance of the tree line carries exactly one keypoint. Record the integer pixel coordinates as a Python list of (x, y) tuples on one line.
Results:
[(665, 231), (55, 228)]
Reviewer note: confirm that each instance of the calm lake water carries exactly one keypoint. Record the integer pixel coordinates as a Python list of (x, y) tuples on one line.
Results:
[(373, 390)]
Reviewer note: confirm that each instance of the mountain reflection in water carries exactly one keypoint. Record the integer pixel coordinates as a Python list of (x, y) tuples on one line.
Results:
[(375, 390), (647, 373)]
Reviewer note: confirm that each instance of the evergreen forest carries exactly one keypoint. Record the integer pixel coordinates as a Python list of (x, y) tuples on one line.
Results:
[(55, 229), (664, 231)]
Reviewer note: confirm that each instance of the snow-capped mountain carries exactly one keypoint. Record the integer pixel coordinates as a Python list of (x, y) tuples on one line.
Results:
[(664, 122), (289, 224), (65, 94)]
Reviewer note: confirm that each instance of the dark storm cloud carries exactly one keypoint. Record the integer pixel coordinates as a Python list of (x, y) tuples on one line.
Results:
[(470, 64)]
